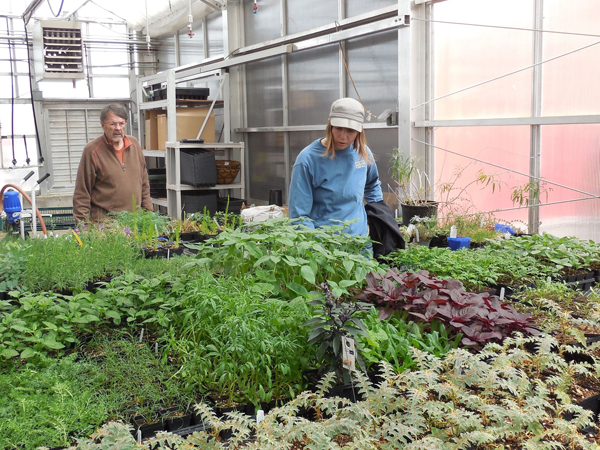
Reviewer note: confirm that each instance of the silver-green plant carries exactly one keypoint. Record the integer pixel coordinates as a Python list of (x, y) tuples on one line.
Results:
[(503, 397)]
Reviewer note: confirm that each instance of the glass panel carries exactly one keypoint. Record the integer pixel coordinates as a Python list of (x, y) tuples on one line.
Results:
[(191, 49), (373, 64), (322, 12), (111, 87), (356, 7), (264, 25), (24, 87), (165, 55), (214, 23), (22, 59), (382, 143), (23, 119), (264, 96), (64, 89), (313, 85), (6, 88), (465, 55), (509, 151), (109, 60), (301, 139), (266, 164), (570, 83), (570, 158), (4, 57)]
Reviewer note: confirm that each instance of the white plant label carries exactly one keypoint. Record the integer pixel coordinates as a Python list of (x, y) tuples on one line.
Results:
[(348, 353)]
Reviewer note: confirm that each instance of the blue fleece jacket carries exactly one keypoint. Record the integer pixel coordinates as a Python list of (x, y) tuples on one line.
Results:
[(325, 189)]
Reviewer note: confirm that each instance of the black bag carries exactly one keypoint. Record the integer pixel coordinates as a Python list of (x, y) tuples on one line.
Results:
[(383, 229)]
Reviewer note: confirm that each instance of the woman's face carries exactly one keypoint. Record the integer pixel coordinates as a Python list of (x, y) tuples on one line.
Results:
[(343, 137)]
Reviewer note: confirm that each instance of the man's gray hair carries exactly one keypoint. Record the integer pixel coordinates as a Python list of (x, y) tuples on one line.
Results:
[(116, 109)]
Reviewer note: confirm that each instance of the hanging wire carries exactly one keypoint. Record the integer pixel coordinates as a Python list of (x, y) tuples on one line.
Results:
[(506, 28), (369, 114), (12, 102), (507, 169), (506, 75), (27, 159), (59, 9), (35, 124)]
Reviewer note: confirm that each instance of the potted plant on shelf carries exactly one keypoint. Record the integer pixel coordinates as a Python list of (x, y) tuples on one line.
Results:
[(413, 188)]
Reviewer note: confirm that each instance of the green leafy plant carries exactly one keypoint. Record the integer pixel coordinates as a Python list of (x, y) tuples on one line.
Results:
[(392, 340), (494, 399), (50, 403), (563, 255), (293, 259), (478, 270)]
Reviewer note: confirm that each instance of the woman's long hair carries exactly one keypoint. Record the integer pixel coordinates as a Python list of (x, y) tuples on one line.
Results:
[(360, 144)]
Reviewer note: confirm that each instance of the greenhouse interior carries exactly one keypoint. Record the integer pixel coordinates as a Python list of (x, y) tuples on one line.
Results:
[(285, 224)]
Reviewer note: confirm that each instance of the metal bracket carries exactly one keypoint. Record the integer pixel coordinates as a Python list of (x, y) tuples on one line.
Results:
[(216, 4)]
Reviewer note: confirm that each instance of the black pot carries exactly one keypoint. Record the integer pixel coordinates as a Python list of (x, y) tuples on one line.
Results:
[(192, 236), (438, 241), (179, 422), (148, 430), (425, 209)]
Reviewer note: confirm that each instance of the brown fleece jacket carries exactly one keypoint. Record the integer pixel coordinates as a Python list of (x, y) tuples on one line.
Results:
[(103, 184)]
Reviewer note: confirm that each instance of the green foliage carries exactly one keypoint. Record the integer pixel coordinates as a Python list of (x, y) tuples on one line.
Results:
[(477, 270), (391, 340), (50, 403), (292, 259), (61, 263), (140, 225), (233, 341), (205, 223), (491, 400), (132, 378), (563, 255)]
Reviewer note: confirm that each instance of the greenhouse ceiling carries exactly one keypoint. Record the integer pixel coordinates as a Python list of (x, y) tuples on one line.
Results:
[(161, 17)]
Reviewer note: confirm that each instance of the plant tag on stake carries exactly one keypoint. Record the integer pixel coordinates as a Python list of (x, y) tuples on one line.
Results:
[(348, 353)]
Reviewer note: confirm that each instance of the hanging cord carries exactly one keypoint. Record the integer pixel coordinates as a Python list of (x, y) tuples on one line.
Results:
[(35, 124), (148, 27), (27, 159), (12, 102), (369, 114), (59, 9)]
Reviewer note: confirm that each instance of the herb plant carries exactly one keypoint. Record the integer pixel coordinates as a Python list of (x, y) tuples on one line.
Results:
[(292, 259)]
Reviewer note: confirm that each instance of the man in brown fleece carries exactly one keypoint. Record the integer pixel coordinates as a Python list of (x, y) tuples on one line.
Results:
[(112, 174)]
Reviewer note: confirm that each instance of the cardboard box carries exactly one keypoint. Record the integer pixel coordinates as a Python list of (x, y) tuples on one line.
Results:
[(189, 122), (151, 130)]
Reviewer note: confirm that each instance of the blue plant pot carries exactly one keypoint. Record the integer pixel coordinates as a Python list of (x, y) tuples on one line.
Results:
[(458, 242)]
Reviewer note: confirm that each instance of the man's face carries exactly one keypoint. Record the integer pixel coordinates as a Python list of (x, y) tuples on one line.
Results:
[(114, 127)]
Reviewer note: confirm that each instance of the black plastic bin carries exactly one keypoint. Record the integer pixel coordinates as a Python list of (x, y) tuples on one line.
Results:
[(198, 168), (235, 204), (195, 201), (184, 94)]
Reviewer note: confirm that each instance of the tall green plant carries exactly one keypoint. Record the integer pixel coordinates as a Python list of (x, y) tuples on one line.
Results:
[(293, 259)]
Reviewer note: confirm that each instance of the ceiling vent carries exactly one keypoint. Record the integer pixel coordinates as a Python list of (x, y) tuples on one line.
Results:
[(58, 49)]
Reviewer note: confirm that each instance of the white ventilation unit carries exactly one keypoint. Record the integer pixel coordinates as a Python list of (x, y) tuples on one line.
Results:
[(58, 49)]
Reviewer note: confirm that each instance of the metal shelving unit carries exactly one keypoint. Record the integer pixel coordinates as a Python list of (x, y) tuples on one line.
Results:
[(230, 150), (173, 163)]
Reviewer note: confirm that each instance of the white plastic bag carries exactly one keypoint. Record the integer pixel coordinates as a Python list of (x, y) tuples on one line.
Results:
[(261, 213)]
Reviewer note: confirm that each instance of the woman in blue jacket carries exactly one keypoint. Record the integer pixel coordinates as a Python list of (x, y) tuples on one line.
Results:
[(334, 174)]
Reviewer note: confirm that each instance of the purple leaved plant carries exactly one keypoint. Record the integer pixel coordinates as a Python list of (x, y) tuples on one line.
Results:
[(479, 317)]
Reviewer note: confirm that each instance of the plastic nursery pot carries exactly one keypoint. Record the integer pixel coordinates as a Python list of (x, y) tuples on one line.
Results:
[(458, 242)]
